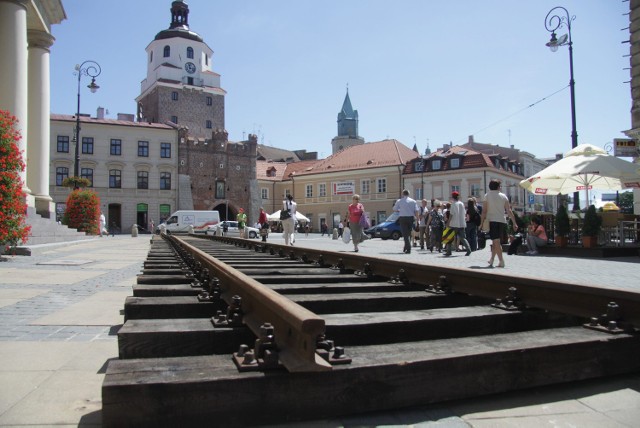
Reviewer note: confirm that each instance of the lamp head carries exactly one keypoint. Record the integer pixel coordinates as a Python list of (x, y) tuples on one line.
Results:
[(93, 87), (555, 42)]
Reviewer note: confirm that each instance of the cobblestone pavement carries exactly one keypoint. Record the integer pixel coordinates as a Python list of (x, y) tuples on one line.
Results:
[(61, 307)]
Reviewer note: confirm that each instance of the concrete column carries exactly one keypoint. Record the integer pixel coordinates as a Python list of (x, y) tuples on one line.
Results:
[(13, 69), (39, 121)]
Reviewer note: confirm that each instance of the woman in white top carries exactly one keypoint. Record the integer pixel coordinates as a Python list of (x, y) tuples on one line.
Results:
[(289, 225), (494, 207)]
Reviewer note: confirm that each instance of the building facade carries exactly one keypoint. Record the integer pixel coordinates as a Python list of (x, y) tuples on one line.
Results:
[(132, 166)]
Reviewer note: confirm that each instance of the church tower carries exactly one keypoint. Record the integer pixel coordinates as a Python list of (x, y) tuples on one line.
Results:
[(181, 86), (347, 127)]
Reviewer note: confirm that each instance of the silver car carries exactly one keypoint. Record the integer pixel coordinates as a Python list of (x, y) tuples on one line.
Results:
[(232, 230)]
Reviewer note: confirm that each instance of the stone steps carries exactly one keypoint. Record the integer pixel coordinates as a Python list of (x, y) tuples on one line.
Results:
[(48, 231)]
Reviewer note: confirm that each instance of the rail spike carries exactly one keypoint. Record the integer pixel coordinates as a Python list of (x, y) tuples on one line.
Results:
[(334, 355), (511, 302), (442, 287), (263, 356), (610, 322), (367, 271), (402, 278)]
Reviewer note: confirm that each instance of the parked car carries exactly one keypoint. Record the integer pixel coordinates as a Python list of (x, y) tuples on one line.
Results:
[(232, 230), (390, 228)]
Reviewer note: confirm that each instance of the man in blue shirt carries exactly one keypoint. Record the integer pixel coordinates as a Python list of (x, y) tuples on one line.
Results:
[(408, 211)]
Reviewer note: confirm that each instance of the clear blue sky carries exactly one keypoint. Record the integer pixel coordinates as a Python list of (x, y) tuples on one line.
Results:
[(418, 70)]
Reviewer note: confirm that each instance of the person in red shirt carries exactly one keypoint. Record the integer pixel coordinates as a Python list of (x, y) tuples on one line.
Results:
[(264, 224)]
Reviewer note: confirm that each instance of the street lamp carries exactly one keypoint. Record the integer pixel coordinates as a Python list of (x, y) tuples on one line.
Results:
[(552, 22), (93, 70)]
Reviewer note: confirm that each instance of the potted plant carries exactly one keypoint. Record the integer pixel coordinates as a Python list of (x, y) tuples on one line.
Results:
[(562, 226), (591, 228)]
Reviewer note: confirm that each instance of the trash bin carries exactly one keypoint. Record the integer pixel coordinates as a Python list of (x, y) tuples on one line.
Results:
[(134, 231)]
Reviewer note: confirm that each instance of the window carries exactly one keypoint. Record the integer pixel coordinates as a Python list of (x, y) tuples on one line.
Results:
[(143, 149), (115, 179), (309, 190), (475, 190), (206, 59), (165, 181), (62, 172), (454, 163), (264, 193), (165, 150), (209, 101), (455, 188), (63, 144), (88, 174), (143, 179), (365, 187), (418, 194), (382, 185), (436, 164), (174, 119), (418, 166), (209, 126), (190, 52), (151, 56), (322, 190), (116, 147), (220, 190), (167, 52), (87, 145), (174, 96)]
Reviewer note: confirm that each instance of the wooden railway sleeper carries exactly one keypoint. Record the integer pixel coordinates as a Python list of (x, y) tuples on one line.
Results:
[(610, 322), (511, 302), (442, 287)]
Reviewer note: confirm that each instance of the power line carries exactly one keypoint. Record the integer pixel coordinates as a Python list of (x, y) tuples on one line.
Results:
[(513, 114)]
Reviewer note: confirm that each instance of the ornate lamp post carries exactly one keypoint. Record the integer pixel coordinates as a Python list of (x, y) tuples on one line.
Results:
[(93, 70), (556, 18)]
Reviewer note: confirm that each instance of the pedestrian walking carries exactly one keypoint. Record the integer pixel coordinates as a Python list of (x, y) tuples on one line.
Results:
[(103, 225), (408, 212), (436, 224), (241, 218), (473, 222), (423, 226), (457, 222), (494, 207), (289, 225), (263, 224), (355, 211), (340, 229)]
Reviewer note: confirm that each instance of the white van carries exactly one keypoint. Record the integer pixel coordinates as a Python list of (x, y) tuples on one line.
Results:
[(180, 221)]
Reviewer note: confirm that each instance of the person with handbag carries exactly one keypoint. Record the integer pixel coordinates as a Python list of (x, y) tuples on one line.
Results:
[(288, 218), (357, 221)]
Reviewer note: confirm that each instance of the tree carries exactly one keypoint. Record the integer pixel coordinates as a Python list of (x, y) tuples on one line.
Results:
[(83, 211), (626, 202), (13, 206)]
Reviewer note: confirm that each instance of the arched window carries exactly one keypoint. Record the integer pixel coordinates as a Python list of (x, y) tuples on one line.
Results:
[(190, 52), (167, 51)]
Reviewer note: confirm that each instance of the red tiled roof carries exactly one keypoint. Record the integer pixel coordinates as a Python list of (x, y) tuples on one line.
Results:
[(368, 155), (85, 119), (263, 167)]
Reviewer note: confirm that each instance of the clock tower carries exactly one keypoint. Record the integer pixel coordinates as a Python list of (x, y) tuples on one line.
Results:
[(181, 86)]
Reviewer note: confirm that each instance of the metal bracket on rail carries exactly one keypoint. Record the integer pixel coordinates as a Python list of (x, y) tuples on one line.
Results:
[(325, 348), (233, 317), (511, 302), (263, 356), (210, 291), (340, 266), (367, 271), (442, 287), (320, 262), (402, 278), (610, 322)]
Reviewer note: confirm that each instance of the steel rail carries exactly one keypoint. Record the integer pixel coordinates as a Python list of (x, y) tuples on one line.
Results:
[(296, 328), (564, 297)]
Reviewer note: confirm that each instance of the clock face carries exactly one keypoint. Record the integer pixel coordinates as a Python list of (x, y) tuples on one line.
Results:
[(190, 67)]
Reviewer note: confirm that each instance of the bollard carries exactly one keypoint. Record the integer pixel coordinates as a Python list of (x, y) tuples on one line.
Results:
[(134, 231), (190, 229), (335, 233)]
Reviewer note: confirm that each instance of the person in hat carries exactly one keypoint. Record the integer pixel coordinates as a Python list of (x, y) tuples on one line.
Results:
[(457, 222)]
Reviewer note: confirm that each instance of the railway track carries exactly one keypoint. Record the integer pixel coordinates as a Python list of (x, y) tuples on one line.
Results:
[(223, 331)]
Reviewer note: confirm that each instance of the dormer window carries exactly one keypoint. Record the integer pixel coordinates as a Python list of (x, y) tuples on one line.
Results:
[(436, 164), (454, 163), (418, 166), (271, 172), (190, 52)]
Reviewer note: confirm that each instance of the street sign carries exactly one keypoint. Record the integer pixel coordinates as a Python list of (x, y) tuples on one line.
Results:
[(625, 147), (532, 199)]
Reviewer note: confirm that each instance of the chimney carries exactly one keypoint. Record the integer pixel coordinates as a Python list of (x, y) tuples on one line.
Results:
[(471, 139), (126, 117), (100, 113)]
